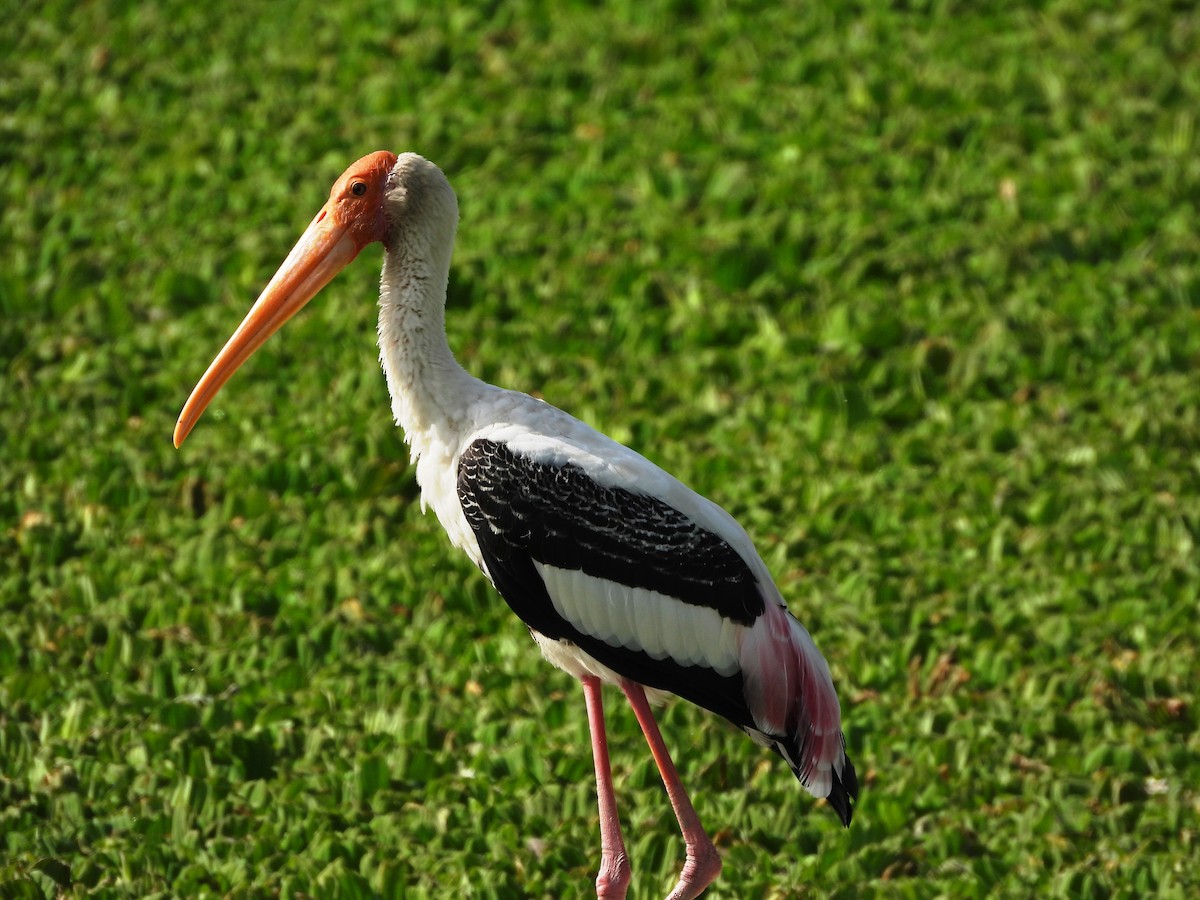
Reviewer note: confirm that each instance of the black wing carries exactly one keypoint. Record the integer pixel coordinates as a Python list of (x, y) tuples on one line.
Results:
[(523, 512)]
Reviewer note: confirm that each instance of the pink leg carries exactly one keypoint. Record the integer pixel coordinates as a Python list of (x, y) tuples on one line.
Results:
[(613, 879), (703, 863)]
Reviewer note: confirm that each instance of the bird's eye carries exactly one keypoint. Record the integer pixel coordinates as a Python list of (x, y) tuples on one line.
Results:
[(358, 188)]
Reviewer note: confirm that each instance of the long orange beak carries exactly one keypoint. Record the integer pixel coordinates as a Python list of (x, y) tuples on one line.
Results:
[(346, 224)]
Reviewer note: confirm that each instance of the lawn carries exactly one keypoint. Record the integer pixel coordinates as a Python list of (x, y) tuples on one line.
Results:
[(911, 289)]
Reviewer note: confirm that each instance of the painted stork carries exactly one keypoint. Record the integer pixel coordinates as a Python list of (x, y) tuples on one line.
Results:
[(622, 573)]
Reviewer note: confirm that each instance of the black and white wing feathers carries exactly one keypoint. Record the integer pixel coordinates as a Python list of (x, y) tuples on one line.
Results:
[(628, 578)]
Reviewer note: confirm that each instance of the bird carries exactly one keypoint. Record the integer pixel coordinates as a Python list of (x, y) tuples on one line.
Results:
[(623, 575)]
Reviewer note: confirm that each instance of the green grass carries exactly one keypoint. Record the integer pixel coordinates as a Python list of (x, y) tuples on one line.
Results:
[(911, 289)]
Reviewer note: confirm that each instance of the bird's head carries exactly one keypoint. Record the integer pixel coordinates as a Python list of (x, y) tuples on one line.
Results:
[(382, 197)]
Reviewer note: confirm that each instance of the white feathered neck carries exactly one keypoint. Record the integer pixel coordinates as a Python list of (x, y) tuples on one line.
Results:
[(433, 397)]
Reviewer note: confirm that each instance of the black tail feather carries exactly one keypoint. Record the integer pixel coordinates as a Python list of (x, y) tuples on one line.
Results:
[(844, 793)]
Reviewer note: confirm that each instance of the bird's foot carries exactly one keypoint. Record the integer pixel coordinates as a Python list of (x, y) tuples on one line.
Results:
[(613, 880), (700, 869)]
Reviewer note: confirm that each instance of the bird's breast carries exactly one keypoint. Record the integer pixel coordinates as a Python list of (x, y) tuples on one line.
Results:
[(436, 476)]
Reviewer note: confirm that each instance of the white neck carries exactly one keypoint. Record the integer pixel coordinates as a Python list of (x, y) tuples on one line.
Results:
[(432, 395)]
